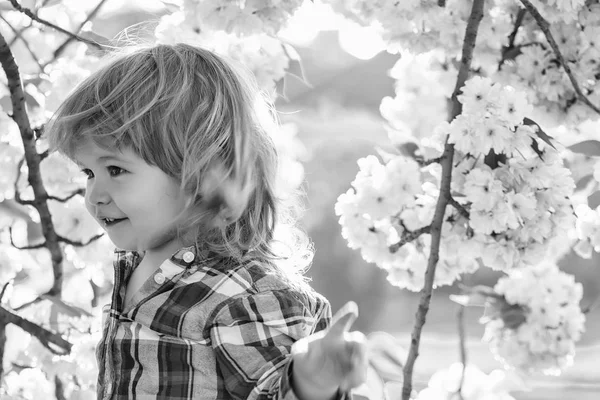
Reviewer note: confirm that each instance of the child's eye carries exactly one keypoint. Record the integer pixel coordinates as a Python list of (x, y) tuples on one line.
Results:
[(115, 171), (88, 173)]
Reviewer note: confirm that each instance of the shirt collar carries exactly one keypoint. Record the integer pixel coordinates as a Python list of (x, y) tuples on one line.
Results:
[(186, 257)]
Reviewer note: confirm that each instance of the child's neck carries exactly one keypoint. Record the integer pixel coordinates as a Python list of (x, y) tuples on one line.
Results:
[(152, 259)]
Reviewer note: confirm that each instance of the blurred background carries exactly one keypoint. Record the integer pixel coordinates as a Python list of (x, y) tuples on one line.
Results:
[(336, 111)]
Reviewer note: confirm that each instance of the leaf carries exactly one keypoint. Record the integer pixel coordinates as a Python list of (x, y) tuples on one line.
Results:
[(536, 148), (67, 309), (295, 66), (280, 88), (512, 315), (590, 148), (385, 155), (386, 356), (594, 200), (409, 149), (372, 389), (583, 182), (539, 131), (171, 6)]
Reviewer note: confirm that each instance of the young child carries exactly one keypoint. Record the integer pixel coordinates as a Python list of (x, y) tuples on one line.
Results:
[(209, 301)]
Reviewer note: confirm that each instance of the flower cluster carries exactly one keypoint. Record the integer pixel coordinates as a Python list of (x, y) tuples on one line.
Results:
[(242, 17), (492, 119), (559, 10), (553, 321), (588, 230), (519, 210), (388, 202), (537, 71), (423, 82), (476, 385), (265, 56)]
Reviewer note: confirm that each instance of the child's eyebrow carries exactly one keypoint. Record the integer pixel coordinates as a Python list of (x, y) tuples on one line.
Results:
[(102, 158)]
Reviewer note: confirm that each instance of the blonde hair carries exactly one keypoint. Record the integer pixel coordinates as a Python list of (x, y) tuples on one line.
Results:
[(202, 120)]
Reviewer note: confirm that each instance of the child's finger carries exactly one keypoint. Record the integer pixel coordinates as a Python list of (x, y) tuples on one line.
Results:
[(343, 319)]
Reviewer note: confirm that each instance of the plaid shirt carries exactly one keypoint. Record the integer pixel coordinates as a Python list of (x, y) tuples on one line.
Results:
[(202, 329)]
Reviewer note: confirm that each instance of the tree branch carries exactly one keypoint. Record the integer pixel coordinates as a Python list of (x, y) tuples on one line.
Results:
[(25, 43), (459, 207), (462, 347), (508, 52), (64, 45), (545, 27), (54, 342), (30, 247), (409, 236), (80, 244), (80, 192), (440, 208), (32, 158), (34, 17), (30, 303), (3, 292), (424, 163)]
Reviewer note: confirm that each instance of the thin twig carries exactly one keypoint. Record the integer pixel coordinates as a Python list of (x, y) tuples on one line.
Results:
[(79, 192), (52, 341), (25, 43), (34, 17), (4, 291), (424, 163), (409, 236), (440, 208), (29, 303), (80, 244), (506, 50), (64, 44), (32, 158), (459, 207), (592, 305), (462, 347), (545, 27), (30, 247)]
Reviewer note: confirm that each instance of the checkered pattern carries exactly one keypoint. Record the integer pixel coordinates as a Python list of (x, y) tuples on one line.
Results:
[(209, 330)]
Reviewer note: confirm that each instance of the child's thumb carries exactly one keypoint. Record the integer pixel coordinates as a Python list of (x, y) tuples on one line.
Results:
[(343, 320)]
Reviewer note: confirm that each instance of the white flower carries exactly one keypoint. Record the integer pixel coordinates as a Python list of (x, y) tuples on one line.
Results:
[(473, 383), (482, 189), (545, 341)]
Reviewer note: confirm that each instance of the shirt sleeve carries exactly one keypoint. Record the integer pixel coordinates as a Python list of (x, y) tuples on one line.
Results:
[(252, 336)]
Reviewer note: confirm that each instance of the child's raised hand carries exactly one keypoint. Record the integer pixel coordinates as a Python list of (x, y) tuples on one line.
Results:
[(331, 360)]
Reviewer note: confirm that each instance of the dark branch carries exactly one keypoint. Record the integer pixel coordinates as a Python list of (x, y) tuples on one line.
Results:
[(32, 158), (80, 244), (440, 207), (409, 236), (34, 17), (459, 207), (545, 27), (424, 163), (52, 341), (28, 304), (4, 290), (80, 192), (510, 51), (25, 43), (31, 247), (64, 45), (462, 337)]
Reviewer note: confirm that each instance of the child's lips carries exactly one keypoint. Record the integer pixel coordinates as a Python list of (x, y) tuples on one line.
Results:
[(109, 222)]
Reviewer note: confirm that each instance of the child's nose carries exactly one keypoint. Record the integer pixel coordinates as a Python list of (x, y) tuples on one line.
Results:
[(97, 194)]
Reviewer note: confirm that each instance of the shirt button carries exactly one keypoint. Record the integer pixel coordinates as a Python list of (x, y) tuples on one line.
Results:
[(188, 256), (159, 278)]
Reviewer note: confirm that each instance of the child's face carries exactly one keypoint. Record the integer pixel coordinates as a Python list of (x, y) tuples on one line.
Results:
[(142, 199)]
